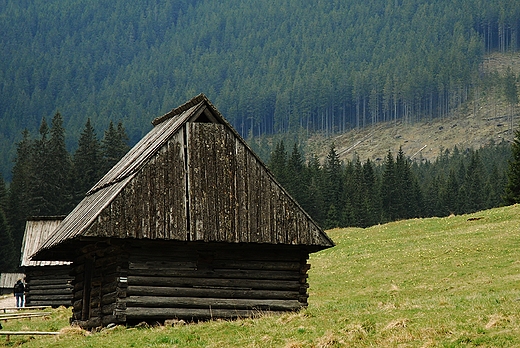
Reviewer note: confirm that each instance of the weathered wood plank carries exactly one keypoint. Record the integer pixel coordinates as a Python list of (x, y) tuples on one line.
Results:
[(220, 273), (215, 303), (53, 303), (136, 290), (46, 282), (59, 291), (64, 285), (137, 313), (228, 283)]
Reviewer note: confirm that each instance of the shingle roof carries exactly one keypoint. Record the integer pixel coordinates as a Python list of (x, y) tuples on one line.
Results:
[(37, 230)]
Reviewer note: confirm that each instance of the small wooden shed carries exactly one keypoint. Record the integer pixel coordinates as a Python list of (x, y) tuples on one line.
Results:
[(189, 224), (48, 283), (7, 281)]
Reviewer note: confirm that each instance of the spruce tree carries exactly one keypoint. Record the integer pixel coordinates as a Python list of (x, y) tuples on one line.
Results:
[(333, 186), (296, 176), (7, 247), (449, 195), (114, 145), (373, 201), (41, 181), (389, 189), (474, 185), (87, 163), (18, 206), (512, 191), (278, 164), (316, 204), (60, 169), (7, 250)]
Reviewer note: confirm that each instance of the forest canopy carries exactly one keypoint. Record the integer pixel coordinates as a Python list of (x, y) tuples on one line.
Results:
[(270, 67)]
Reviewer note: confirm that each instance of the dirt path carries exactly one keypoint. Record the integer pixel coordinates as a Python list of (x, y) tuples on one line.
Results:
[(7, 301)]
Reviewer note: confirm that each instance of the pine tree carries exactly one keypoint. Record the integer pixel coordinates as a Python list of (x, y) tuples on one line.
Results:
[(449, 195), (473, 185), (296, 176), (114, 145), (372, 194), (316, 203), (333, 185), (18, 207), (7, 248), (389, 189), (41, 182), (87, 162), (60, 168), (512, 191), (278, 164)]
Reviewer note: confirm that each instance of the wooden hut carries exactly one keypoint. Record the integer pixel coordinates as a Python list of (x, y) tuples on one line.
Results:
[(7, 281), (189, 224), (48, 283)]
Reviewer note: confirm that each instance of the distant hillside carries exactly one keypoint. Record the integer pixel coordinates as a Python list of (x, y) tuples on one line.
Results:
[(484, 119)]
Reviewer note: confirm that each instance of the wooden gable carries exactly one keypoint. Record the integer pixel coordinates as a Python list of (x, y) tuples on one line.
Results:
[(191, 178)]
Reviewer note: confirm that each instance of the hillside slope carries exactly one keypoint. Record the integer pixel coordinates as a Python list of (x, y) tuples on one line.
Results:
[(438, 282), (482, 120)]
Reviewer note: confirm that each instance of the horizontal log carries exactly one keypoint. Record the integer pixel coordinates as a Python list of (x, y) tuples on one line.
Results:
[(53, 303), (137, 313), (60, 291), (23, 315), (211, 292), (221, 250), (223, 264), (47, 300), (63, 285), (215, 303), (47, 281), (208, 282), (148, 265), (47, 271), (218, 273)]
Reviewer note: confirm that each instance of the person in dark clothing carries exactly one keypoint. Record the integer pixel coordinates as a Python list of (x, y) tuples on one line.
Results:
[(19, 290)]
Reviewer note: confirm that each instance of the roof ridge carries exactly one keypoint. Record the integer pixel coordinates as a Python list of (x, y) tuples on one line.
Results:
[(180, 109)]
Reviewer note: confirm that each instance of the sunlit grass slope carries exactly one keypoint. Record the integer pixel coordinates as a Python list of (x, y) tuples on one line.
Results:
[(439, 282)]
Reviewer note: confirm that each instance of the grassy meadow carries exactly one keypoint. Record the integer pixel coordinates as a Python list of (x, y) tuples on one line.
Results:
[(437, 282)]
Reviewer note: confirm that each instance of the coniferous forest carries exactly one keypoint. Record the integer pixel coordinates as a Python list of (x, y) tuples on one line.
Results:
[(269, 66), (90, 67)]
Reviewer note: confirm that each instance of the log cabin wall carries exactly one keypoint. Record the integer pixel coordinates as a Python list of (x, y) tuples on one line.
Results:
[(197, 281), (153, 281), (48, 286), (98, 284)]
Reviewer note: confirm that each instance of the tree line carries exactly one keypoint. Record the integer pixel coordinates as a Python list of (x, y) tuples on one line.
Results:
[(47, 180), (356, 193)]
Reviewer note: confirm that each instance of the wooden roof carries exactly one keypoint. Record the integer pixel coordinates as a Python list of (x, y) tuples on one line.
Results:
[(37, 230), (7, 280), (191, 178)]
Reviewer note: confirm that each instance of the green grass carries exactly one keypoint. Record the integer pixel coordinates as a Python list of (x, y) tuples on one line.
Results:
[(439, 282)]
